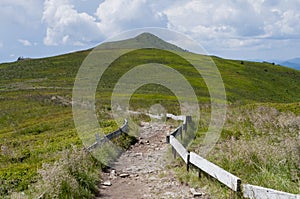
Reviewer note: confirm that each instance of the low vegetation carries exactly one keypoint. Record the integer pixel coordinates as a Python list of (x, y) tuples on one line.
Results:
[(38, 139), (259, 144)]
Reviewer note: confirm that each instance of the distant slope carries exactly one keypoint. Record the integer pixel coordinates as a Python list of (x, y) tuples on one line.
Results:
[(292, 63), (244, 80)]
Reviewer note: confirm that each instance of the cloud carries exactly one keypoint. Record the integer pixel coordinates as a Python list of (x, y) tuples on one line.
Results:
[(1, 44), (120, 15), (210, 20), (25, 42), (236, 19), (65, 25), (232, 25)]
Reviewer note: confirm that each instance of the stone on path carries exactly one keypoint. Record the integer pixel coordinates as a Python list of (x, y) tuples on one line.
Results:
[(107, 183), (124, 175), (195, 193)]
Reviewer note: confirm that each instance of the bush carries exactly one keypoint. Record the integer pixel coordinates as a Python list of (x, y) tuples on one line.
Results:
[(75, 175)]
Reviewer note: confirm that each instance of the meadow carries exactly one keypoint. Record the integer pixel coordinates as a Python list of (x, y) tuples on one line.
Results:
[(260, 140)]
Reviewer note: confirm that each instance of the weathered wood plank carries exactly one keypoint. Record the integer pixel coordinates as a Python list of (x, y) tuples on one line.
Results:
[(109, 136), (183, 153), (174, 117), (216, 172), (177, 131), (113, 134), (257, 192)]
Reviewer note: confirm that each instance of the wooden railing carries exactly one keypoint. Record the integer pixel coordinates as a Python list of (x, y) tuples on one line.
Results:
[(231, 181), (190, 158), (110, 136)]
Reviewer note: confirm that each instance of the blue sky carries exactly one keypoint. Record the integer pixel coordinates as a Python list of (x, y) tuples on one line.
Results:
[(238, 29)]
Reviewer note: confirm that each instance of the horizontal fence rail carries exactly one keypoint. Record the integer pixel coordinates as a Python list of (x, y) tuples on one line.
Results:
[(110, 136), (231, 181), (174, 117), (216, 172), (251, 191), (183, 153)]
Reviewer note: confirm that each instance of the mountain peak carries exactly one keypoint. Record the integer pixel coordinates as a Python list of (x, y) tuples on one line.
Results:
[(146, 35), (144, 40), (152, 41)]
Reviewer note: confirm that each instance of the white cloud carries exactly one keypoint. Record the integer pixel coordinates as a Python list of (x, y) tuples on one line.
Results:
[(232, 25), (214, 19), (236, 25), (65, 25), (120, 15), (25, 42)]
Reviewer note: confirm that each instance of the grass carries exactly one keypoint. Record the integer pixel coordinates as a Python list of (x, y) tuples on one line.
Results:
[(259, 144), (36, 124)]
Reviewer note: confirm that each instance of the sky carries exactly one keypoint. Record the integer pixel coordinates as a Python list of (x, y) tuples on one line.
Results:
[(236, 29)]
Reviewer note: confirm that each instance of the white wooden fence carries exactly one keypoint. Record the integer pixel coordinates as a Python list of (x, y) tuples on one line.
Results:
[(226, 178), (109, 136), (223, 176), (190, 158), (252, 191)]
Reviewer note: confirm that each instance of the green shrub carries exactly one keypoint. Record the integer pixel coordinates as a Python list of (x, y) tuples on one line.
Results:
[(75, 175)]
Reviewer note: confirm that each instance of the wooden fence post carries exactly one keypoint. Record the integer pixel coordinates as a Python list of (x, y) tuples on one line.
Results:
[(188, 162), (199, 173), (174, 152), (168, 139), (180, 131), (239, 184), (188, 119), (97, 138)]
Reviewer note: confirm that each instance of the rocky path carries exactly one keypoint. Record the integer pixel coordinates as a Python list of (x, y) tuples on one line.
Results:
[(142, 171)]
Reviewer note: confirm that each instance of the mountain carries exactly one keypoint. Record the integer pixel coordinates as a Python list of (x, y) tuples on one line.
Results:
[(292, 63), (244, 80), (36, 117), (145, 40)]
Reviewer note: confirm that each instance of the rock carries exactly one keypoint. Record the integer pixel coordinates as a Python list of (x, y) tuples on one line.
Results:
[(113, 174), (152, 178), (138, 154), (195, 193), (128, 169), (124, 175), (106, 183), (141, 142), (170, 194)]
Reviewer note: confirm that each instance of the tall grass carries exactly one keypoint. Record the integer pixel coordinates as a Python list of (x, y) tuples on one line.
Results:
[(259, 144), (74, 175)]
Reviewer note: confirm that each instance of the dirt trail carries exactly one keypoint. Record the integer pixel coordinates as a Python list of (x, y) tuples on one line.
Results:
[(142, 172)]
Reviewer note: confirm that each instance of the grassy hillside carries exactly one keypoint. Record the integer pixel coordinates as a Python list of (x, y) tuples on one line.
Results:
[(36, 122)]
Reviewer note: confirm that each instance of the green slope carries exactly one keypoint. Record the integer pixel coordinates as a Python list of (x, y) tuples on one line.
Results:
[(244, 81), (36, 116)]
